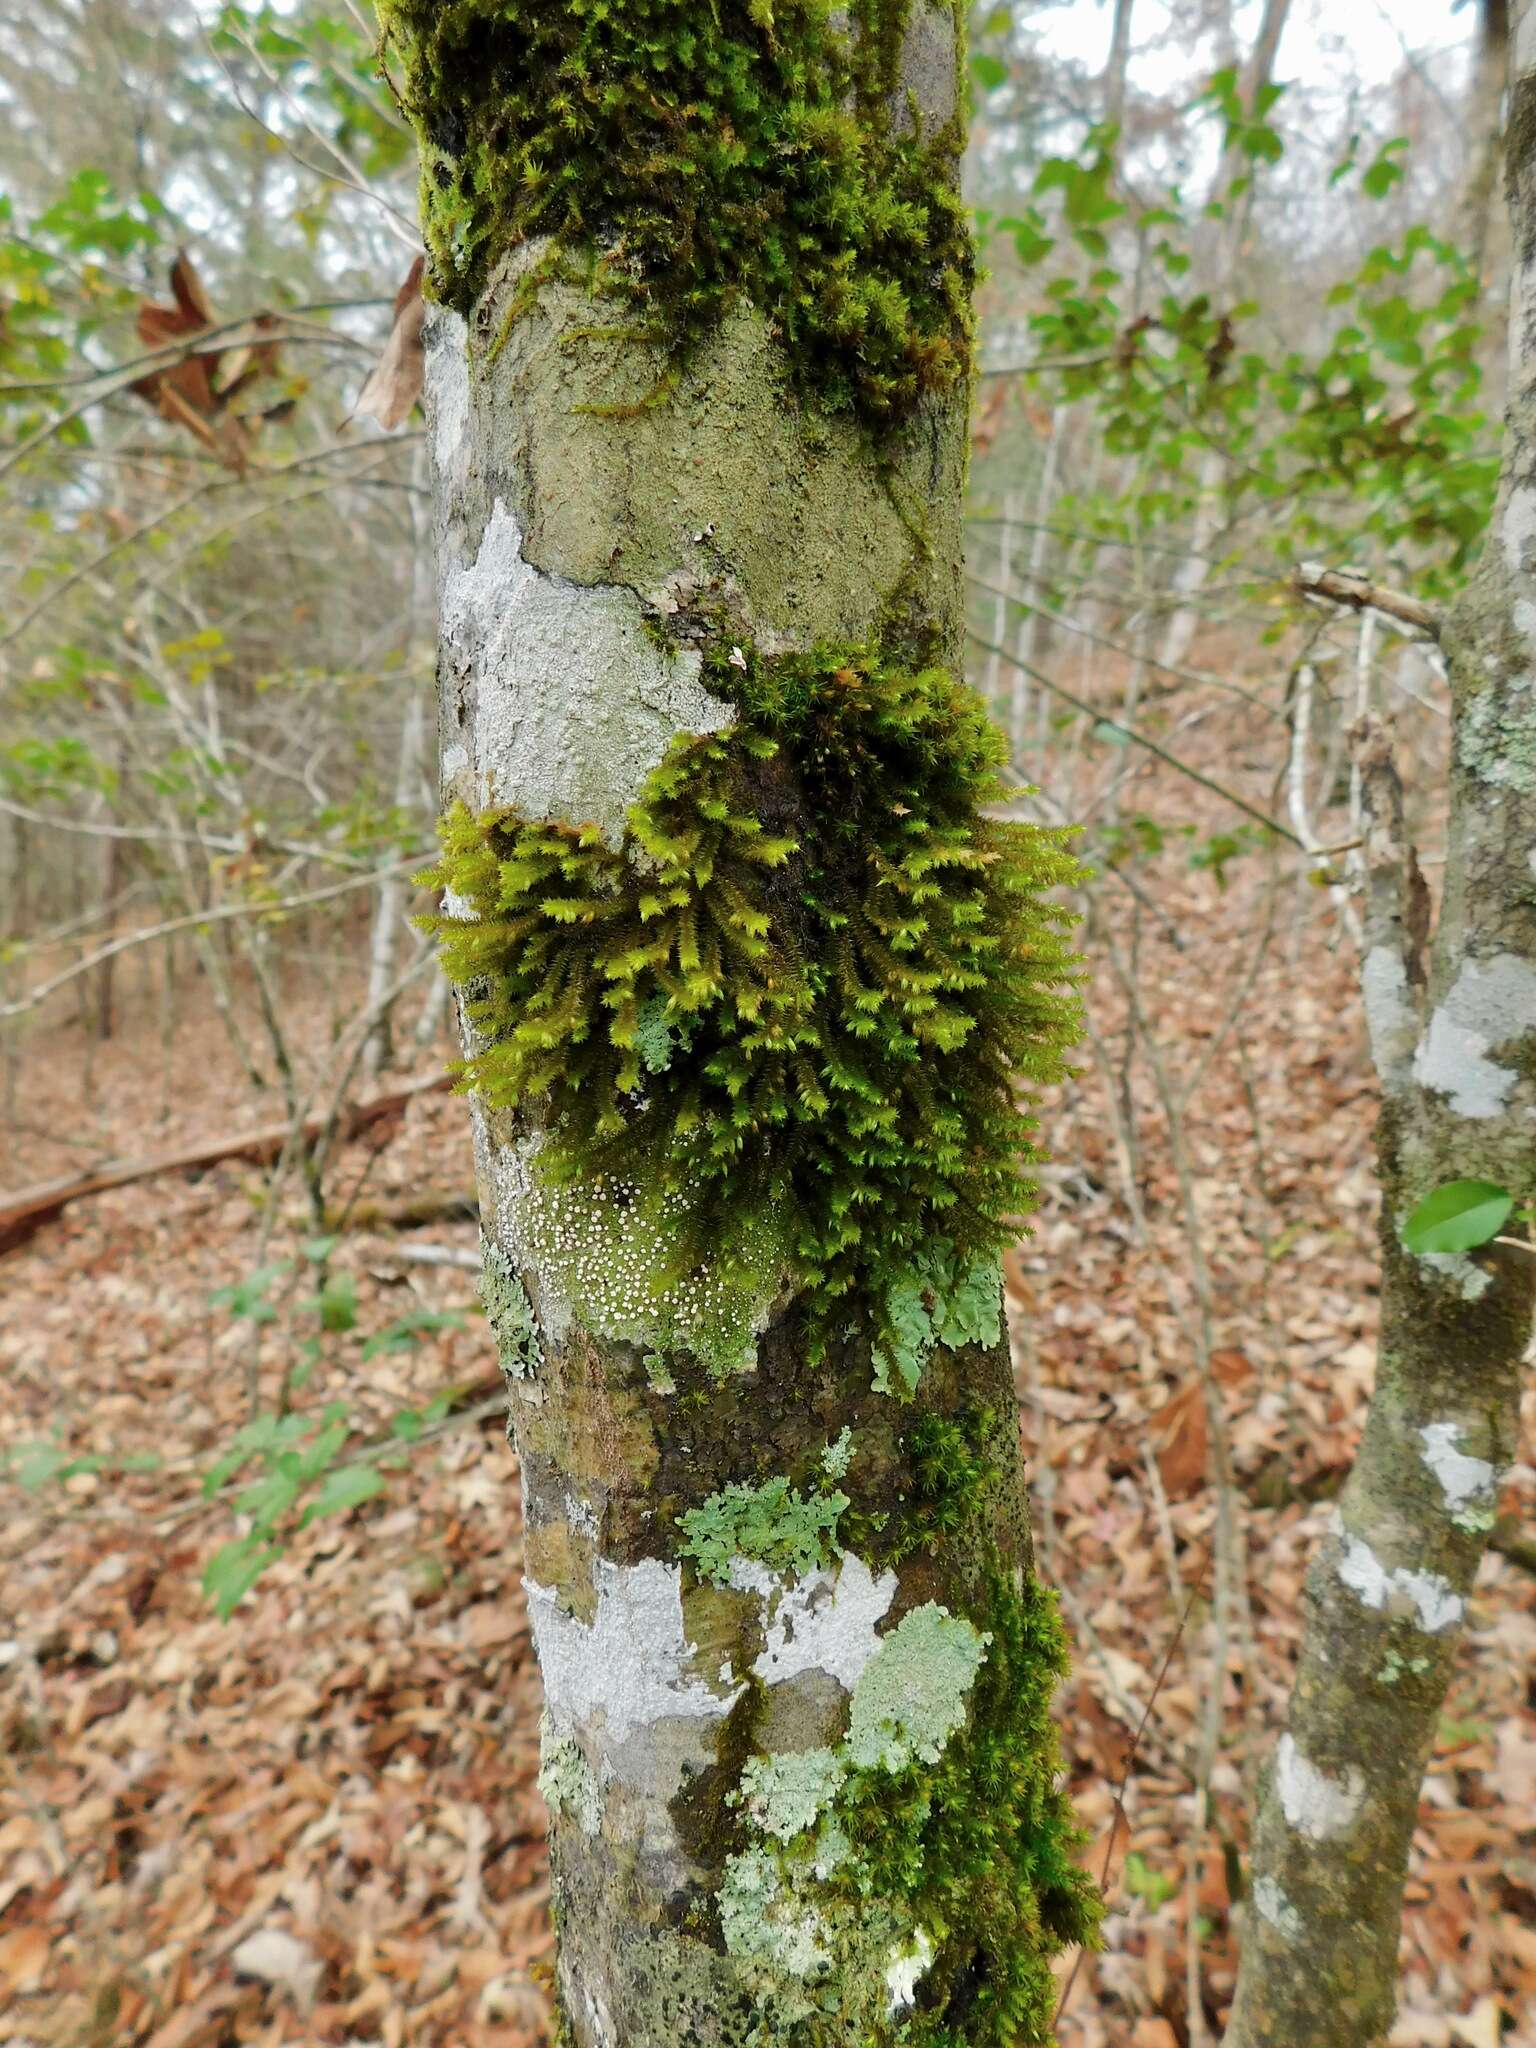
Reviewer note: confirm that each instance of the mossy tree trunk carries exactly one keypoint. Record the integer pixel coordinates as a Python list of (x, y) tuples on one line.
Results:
[(1454, 1040), (748, 974)]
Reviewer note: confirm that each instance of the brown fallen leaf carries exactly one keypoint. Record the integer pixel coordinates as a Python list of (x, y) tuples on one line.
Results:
[(394, 383), (1179, 1441)]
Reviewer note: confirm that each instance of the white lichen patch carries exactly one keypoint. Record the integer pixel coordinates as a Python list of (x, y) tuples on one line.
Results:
[(633, 1665), (1316, 1805), (821, 1621), (909, 1963), (566, 1779), (1465, 1481), (1272, 1905), (1470, 1280), (1399, 1590), (913, 1692), (1491, 1002), (570, 703)]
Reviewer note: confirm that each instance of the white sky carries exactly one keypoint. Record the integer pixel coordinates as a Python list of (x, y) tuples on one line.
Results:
[(1365, 39)]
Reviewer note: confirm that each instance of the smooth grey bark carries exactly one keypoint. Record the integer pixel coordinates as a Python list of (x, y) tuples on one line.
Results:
[(1453, 1035)]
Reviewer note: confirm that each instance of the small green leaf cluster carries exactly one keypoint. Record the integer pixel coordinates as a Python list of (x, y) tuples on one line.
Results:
[(1369, 439), (299, 1480), (679, 159), (860, 966), (774, 1525)]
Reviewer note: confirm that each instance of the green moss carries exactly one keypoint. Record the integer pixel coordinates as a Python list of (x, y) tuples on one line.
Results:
[(675, 158), (952, 1465), (915, 1883), (774, 1525), (858, 966)]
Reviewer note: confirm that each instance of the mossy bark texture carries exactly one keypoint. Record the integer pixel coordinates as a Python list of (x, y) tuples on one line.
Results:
[(747, 972), (1453, 1029)]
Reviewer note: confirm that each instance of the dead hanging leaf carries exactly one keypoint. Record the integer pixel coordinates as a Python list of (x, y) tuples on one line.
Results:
[(1179, 1441), (201, 392), (394, 383), (989, 417)]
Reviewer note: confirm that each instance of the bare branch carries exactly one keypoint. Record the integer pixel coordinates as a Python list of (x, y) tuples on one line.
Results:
[(1354, 590), (1396, 910)]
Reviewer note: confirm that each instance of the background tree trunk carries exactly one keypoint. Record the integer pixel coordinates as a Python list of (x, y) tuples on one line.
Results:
[(797, 1669), (1455, 1049)]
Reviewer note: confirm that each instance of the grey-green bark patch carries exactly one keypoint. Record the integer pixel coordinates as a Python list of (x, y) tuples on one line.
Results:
[(773, 515)]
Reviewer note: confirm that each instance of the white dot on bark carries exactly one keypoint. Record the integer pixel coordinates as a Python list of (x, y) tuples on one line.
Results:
[(1316, 1805)]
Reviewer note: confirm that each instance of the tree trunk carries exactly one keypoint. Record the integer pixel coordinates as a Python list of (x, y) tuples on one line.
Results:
[(1455, 1048), (746, 969)]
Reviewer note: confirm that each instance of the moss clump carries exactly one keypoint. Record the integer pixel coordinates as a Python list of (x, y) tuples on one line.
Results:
[(952, 1465), (915, 1883), (677, 156), (861, 968), (774, 1525)]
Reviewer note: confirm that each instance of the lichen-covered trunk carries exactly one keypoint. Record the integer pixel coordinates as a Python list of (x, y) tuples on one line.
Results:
[(750, 977), (1454, 1043)]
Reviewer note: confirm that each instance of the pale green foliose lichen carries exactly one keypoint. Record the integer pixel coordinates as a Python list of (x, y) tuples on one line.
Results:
[(940, 1299), (566, 1780), (912, 1694), (762, 1923), (786, 1794), (510, 1312), (774, 1525), (838, 1455)]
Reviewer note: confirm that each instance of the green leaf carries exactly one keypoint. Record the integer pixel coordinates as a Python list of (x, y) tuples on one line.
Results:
[(989, 72), (347, 1487), (1458, 1217), (234, 1568), (337, 1302), (1155, 1886)]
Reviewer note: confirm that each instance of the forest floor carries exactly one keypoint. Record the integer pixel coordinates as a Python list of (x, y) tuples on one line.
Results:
[(316, 1821)]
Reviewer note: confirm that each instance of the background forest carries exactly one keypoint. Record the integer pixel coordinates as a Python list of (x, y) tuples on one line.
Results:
[(268, 1709)]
